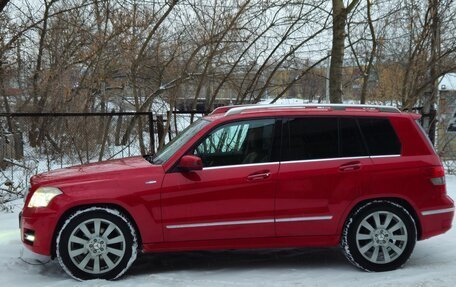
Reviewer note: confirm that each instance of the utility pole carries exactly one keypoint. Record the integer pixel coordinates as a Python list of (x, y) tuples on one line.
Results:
[(328, 65), (429, 109)]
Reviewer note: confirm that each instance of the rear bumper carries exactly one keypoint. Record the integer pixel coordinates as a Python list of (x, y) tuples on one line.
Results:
[(438, 220)]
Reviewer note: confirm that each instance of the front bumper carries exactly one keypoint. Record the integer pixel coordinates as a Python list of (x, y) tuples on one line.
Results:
[(37, 231)]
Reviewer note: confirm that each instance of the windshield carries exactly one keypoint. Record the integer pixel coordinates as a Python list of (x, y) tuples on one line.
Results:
[(183, 137)]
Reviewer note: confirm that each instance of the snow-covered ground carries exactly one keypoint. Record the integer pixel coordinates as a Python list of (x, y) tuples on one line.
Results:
[(433, 263)]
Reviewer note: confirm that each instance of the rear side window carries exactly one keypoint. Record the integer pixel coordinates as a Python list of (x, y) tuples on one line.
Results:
[(380, 136), (310, 138)]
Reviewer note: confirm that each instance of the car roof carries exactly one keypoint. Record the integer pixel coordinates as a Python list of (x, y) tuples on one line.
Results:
[(229, 113), (232, 110), (305, 109)]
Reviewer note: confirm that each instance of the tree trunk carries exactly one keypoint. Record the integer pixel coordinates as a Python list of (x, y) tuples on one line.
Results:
[(35, 134), (5, 98), (373, 51), (340, 14)]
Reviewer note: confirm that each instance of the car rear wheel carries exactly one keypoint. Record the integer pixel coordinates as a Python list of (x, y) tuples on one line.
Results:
[(379, 236), (96, 243)]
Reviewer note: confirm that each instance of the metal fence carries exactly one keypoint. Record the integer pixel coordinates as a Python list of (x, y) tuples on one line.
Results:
[(31, 143)]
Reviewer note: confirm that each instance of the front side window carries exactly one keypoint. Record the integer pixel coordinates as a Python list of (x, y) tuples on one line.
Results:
[(237, 143)]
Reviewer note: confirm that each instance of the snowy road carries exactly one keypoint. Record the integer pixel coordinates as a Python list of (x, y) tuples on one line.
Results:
[(433, 263)]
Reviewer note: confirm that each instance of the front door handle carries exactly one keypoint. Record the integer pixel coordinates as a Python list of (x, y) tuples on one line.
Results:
[(350, 166), (259, 175)]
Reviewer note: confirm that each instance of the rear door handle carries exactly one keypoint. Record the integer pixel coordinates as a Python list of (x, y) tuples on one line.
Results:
[(259, 175), (350, 166)]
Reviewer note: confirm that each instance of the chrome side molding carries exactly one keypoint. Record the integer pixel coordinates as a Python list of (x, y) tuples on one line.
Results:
[(241, 222), (437, 211)]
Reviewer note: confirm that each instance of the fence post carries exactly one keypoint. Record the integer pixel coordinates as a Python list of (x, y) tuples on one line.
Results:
[(2, 151), (151, 133), (168, 124), (18, 145), (160, 129), (104, 138), (118, 129)]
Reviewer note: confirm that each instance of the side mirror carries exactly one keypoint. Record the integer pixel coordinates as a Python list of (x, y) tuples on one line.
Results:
[(190, 162)]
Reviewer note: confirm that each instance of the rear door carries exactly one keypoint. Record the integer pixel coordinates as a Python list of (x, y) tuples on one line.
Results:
[(392, 172), (323, 168)]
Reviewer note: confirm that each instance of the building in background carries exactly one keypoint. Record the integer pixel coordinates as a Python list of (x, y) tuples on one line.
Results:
[(447, 118)]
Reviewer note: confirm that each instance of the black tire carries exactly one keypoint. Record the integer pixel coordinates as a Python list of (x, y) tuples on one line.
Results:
[(381, 255), (116, 251)]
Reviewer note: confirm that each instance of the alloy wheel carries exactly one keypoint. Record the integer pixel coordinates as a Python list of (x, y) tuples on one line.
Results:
[(96, 246), (381, 237)]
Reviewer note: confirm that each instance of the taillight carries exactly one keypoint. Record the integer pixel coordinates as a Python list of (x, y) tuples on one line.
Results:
[(437, 175), (438, 180)]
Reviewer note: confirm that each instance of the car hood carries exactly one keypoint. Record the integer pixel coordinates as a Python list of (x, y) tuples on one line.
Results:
[(101, 170)]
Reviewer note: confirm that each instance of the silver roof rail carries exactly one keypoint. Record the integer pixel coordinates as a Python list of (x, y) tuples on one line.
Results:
[(238, 110)]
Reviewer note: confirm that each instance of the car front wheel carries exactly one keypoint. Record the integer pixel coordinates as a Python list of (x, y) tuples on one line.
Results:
[(379, 236), (96, 243)]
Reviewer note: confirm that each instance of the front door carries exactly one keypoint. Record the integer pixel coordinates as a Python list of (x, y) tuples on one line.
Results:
[(233, 196)]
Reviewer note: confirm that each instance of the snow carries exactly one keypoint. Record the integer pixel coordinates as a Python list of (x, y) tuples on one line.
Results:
[(431, 264), (285, 101), (298, 101), (448, 82)]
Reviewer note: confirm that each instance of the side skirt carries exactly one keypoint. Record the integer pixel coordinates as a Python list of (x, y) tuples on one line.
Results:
[(244, 243)]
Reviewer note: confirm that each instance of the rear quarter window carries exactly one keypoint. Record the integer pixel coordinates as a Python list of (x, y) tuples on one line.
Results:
[(381, 139)]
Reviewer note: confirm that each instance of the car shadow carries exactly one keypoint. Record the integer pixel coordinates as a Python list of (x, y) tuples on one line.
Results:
[(328, 260), (238, 260)]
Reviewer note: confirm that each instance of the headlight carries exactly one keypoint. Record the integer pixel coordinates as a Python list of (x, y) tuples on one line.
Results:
[(43, 195)]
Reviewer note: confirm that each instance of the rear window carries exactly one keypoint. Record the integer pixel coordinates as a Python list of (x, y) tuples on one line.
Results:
[(381, 139), (309, 138)]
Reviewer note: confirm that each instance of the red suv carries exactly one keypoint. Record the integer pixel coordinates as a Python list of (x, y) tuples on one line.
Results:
[(364, 177)]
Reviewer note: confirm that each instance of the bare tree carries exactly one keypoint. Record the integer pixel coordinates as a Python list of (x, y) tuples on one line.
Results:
[(365, 66), (99, 55)]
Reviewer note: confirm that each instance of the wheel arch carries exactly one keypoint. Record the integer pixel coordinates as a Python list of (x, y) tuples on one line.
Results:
[(67, 213), (398, 200)]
